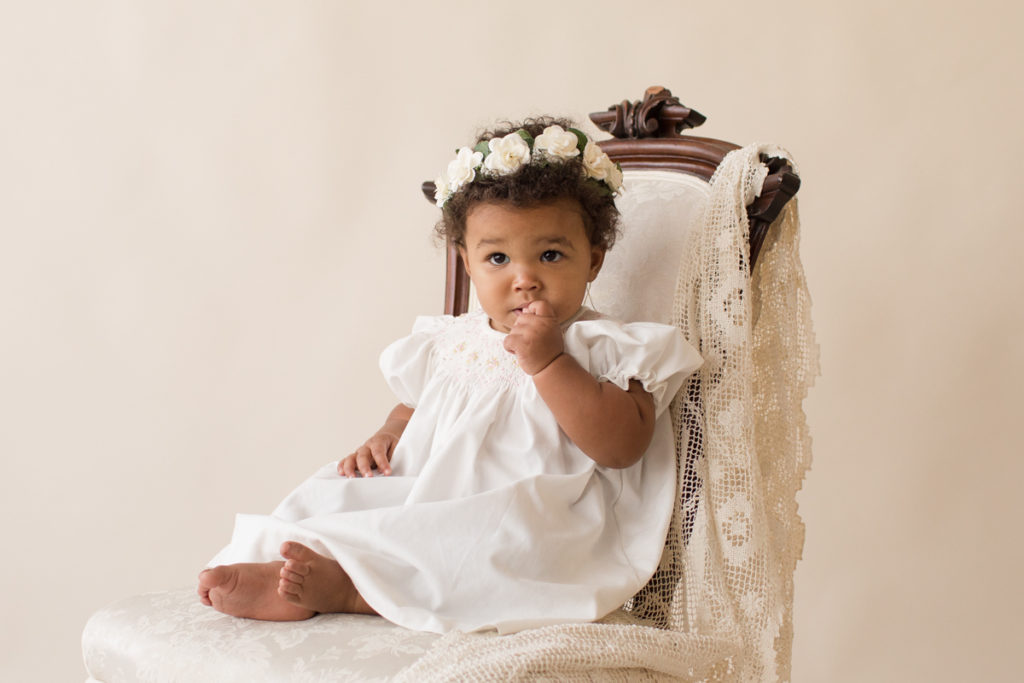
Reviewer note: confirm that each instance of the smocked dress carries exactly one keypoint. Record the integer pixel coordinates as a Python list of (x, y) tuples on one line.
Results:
[(492, 517)]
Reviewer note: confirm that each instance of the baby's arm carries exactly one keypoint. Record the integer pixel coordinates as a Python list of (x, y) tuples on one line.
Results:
[(376, 452), (613, 427)]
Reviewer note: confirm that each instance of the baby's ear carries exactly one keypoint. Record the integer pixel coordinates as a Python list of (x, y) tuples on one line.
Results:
[(596, 261), (462, 255)]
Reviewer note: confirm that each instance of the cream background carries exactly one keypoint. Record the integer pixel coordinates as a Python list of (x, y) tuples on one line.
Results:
[(211, 224)]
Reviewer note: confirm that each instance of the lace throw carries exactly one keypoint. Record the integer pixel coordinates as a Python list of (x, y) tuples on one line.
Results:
[(719, 608)]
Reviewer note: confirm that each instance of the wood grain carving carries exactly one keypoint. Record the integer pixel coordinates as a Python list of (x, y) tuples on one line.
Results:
[(647, 135), (658, 115)]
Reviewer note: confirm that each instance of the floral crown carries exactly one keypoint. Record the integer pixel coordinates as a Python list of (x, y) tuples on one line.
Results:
[(506, 155)]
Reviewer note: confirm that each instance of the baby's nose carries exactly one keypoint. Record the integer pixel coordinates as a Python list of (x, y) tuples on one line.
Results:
[(525, 280)]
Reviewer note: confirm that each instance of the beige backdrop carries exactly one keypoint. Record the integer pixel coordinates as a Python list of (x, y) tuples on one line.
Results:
[(211, 225)]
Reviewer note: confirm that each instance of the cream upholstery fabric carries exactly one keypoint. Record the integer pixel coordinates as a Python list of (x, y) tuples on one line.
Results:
[(171, 637), (661, 214)]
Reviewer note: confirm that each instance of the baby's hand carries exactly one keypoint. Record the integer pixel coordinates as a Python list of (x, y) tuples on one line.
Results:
[(535, 338), (375, 453)]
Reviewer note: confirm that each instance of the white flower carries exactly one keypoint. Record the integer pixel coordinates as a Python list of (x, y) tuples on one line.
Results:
[(462, 169), (557, 142), (507, 154), (442, 191), (595, 161), (599, 167), (614, 179)]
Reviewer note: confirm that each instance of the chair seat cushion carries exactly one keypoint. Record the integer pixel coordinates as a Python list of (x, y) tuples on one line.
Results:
[(170, 636)]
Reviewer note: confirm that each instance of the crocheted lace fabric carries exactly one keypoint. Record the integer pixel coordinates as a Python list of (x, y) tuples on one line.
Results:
[(719, 608)]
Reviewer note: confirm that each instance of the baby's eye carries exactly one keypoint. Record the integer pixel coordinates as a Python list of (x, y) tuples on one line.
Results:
[(497, 259), (551, 255)]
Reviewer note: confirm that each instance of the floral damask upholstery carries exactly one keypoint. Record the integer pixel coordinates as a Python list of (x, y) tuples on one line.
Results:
[(638, 279), (170, 636)]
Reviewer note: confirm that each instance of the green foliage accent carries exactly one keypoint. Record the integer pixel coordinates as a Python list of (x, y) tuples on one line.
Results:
[(526, 136), (482, 148), (603, 189), (581, 139)]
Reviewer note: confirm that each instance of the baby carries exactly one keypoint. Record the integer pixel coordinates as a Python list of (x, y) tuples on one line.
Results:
[(527, 475)]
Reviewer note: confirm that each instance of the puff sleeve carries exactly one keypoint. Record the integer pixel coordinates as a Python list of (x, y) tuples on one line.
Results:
[(407, 363), (653, 354)]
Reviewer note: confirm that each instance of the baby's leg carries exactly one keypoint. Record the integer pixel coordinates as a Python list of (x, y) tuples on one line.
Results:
[(311, 581), (248, 590)]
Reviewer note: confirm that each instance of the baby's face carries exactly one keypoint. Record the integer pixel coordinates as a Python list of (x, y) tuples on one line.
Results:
[(518, 255)]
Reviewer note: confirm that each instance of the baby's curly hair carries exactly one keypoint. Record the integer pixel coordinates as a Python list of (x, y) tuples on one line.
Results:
[(533, 184)]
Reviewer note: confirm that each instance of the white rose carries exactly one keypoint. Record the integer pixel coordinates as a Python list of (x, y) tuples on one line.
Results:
[(462, 169), (557, 142), (595, 161), (442, 191), (507, 154), (614, 178), (599, 166)]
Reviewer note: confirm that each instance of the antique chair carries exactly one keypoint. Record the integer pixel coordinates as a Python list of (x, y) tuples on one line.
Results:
[(719, 607)]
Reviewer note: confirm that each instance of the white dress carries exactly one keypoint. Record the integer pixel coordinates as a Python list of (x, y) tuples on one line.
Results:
[(492, 517)]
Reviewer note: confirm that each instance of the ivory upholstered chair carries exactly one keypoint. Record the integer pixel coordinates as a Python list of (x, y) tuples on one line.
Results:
[(692, 620)]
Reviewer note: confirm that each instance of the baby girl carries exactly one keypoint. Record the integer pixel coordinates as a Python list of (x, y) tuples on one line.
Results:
[(527, 475)]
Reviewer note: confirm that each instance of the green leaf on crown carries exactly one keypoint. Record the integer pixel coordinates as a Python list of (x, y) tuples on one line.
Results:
[(581, 139)]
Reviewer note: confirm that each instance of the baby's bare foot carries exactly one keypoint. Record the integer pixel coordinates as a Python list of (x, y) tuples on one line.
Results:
[(248, 590), (318, 583)]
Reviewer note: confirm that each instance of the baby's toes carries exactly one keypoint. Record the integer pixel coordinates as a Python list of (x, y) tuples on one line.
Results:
[(296, 552), (296, 567), (291, 576), (289, 590)]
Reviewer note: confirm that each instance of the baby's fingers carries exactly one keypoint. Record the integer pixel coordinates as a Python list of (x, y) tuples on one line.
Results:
[(512, 341), (364, 461), (379, 451), (347, 466), (541, 309)]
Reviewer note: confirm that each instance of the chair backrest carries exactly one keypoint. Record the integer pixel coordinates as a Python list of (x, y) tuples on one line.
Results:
[(660, 214), (666, 177)]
